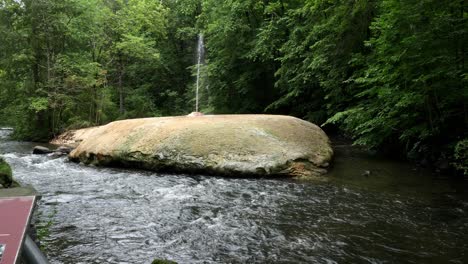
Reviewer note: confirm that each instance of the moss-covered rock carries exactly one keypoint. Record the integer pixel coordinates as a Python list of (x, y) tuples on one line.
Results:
[(163, 261), (231, 145), (6, 175)]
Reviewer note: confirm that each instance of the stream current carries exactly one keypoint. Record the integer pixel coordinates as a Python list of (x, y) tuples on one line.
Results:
[(397, 214)]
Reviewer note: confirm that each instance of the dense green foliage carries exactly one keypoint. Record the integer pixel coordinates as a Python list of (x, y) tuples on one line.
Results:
[(390, 74), (79, 63)]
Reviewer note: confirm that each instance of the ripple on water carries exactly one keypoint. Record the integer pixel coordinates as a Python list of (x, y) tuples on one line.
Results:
[(103, 215)]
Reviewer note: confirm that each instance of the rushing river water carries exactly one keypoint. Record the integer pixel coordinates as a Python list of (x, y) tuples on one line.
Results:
[(104, 215)]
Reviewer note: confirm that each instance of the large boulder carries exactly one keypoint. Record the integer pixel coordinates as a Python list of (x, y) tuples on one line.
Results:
[(230, 145)]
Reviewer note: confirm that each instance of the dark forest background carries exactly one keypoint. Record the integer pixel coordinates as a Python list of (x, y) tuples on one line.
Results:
[(390, 74)]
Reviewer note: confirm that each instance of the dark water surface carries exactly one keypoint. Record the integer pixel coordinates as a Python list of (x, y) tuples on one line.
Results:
[(101, 215)]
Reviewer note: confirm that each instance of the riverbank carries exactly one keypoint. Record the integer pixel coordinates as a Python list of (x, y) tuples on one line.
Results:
[(441, 167)]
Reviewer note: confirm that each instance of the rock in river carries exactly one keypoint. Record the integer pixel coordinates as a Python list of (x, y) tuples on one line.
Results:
[(229, 145), (41, 150)]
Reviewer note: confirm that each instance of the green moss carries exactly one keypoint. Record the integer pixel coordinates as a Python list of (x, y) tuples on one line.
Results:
[(163, 261), (126, 146), (6, 175), (43, 227)]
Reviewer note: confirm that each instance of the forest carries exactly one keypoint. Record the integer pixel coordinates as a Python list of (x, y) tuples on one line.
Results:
[(389, 74)]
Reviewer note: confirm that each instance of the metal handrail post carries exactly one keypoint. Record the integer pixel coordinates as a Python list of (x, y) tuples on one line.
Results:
[(31, 252)]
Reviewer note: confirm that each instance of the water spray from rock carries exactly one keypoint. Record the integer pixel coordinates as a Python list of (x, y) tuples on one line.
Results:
[(200, 53)]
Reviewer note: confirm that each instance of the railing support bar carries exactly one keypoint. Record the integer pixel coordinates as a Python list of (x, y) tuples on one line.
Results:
[(31, 253)]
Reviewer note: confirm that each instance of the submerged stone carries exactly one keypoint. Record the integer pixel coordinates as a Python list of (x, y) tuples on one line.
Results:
[(63, 150), (229, 145), (41, 150)]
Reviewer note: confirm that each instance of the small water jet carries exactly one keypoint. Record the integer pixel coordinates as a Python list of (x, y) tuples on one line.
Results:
[(200, 56)]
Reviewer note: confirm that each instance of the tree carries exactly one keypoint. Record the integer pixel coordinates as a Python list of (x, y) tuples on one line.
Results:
[(411, 93), (314, 70), (240, 76)]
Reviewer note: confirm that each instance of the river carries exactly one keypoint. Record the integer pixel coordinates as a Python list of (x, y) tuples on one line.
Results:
[(397, 214)]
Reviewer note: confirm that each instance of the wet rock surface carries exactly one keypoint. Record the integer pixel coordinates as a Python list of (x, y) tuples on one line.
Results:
[(41, 150)]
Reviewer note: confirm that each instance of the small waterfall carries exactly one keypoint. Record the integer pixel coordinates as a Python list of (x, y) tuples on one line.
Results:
[(200, 53)]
